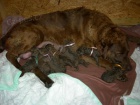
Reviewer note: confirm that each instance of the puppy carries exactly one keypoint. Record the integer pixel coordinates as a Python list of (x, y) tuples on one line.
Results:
[(43, 59), (115, 74), (49, 60), (83, 26)]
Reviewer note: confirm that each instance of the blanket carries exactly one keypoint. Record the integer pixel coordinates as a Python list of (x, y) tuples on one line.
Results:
[(134, 97), (107, 93), (66, 90), (9, 75)]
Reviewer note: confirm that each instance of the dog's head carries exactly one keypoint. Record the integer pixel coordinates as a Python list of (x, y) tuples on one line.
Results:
[(116, 49)]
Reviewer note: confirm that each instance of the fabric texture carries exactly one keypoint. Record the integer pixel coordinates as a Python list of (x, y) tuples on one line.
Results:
[(134, 97), (66, 90), (107, 93), (9, 75)]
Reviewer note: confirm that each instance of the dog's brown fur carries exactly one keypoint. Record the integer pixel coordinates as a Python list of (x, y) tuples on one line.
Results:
[(83, 26)]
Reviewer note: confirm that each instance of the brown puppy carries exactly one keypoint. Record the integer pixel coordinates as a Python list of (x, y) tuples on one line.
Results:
[(83, 26)]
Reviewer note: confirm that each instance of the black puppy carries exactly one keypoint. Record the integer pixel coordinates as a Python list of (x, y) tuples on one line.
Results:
[(46, 60), (115, 74), (49, 60), (93, 52)]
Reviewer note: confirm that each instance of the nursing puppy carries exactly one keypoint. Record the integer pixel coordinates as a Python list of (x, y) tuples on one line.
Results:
[(83, 26)]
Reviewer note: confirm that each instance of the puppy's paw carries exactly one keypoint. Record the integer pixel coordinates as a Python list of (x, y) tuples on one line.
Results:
[(84, 63), (122, 78)]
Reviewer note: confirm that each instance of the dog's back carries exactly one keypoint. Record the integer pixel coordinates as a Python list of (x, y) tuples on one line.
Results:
[(82, 26), (78, 24)]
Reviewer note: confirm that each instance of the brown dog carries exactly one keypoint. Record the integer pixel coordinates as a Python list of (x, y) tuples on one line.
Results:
[(83, 26)]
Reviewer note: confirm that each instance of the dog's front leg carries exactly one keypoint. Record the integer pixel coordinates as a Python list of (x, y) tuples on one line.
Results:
[(46, 80), (13, 60)]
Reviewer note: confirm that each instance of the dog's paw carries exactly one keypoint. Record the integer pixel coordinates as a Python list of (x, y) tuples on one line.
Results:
[(48, 85)]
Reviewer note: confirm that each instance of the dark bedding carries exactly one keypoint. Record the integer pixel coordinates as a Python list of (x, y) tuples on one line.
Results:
[(108, 93)]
